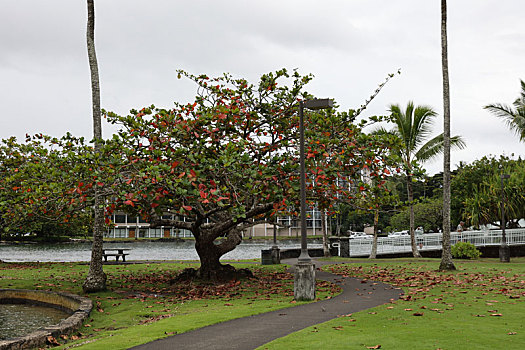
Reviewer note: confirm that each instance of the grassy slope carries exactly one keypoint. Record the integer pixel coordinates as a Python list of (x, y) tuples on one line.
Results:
[(480, 306)]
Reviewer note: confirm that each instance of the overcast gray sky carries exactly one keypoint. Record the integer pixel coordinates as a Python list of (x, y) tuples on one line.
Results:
[(349, 45)]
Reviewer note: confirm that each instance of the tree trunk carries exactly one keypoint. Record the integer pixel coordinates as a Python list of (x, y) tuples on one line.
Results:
[(446, 257), (415, 251), (326, 250), (373, 253), (209, 255), (96, 278)]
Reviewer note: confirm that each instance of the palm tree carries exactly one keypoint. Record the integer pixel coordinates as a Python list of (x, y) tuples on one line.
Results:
[(514, 118), (96, 278), (413, 127), (446, 255)]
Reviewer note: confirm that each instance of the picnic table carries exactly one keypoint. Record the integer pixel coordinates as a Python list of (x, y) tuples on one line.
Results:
[(116, 252)]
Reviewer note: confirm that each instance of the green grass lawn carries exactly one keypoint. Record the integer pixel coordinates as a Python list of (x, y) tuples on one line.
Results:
[(479, 306), (142, 305)]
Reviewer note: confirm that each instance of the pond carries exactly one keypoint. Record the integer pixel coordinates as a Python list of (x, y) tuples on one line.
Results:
[(140, 250), (20, 319)]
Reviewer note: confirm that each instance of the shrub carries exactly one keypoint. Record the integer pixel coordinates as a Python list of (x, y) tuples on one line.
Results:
[(465, 250)]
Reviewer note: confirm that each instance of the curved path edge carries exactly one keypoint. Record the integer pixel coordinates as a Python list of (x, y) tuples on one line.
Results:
[(251, 332)]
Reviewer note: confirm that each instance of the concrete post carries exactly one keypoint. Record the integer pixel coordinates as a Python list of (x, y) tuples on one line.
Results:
[(276, 256), (304, 281), (345, 247)]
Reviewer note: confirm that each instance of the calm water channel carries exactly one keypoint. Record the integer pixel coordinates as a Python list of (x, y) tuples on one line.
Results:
[(68, 252), (21, 319)]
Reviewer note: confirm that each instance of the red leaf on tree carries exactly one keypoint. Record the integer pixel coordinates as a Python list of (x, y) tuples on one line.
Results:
[(129, 202), (187, 207)]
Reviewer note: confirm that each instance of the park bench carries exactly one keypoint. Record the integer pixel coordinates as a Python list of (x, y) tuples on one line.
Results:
[(116, 252)]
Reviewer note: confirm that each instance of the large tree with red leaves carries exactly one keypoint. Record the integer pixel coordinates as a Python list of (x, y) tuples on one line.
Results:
[(229, 159)]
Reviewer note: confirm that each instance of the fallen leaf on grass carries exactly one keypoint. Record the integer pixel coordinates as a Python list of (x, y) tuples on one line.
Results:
[(479, 315), (52, 340), (170, 333), (512, 333), (417, 314), (374, 347), (338, 328), (498, 315)]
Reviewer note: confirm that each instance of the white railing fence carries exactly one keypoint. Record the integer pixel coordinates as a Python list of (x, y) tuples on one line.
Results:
[(433, 241)]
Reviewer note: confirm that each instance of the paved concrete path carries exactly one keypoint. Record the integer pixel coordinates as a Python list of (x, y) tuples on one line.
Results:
[(248, 333)]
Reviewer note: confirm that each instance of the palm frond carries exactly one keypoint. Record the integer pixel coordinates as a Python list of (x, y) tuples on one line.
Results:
[(382, 131), (434, 147), (413, 126), (514, 119), (422, 124)]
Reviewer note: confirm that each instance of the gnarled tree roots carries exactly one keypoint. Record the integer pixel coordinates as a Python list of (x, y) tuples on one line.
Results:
[(222, 274)]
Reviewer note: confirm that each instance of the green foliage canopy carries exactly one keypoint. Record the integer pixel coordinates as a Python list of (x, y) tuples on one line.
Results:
[(476, 189)]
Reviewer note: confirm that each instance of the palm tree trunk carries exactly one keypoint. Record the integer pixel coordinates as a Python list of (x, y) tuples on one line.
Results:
[(373, 253), (415, 251), (446, 257), (96, 278)]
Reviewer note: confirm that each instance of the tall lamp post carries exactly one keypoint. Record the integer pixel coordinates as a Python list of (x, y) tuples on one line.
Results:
[(304, 281), (276, 259), (504, 250)]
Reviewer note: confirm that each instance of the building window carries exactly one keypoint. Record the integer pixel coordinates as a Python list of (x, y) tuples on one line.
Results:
[(120, 219)]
